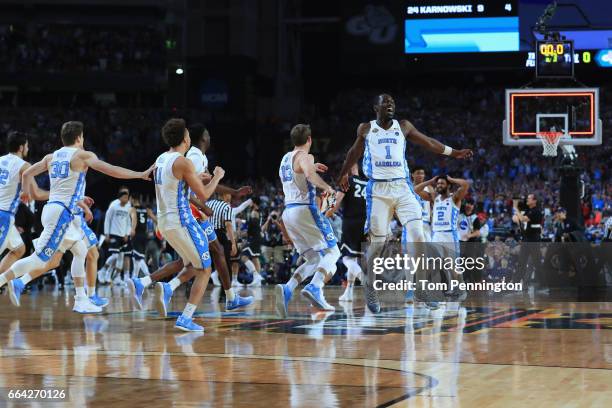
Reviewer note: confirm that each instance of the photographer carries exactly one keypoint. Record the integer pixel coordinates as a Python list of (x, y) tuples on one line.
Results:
[(272, 248)]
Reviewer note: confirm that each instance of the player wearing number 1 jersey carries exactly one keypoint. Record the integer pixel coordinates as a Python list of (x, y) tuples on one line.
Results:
[(382, 143), (61, 227)]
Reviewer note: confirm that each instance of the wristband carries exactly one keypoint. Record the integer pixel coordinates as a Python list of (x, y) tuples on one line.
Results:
[(447, 150)]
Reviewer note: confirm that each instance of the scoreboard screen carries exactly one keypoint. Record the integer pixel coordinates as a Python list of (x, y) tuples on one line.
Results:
[(555, 59)]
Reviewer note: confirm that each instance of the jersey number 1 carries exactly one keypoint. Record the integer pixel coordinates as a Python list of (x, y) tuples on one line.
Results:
[(388, 149)]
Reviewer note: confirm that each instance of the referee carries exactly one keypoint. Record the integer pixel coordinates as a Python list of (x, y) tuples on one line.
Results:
[(221, 220)]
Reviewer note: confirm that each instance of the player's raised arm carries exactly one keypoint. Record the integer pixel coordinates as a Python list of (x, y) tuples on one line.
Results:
[(29, 184), (464, 186), (91, 160), (353, 155), (183, 168), (306, 163), (432, 144), (421, 189)]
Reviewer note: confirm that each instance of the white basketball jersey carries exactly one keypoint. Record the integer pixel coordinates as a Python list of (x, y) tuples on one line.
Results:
[(425, 208), (445, 214), (171, 193), (296, 188), (198, 159), (66, 183), (384, 157), (10, 182)]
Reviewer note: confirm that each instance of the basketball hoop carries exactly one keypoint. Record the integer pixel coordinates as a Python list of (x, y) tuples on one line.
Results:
[(550, 142)]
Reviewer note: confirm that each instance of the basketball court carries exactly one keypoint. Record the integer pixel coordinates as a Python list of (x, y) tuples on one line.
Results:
[(497, 354)]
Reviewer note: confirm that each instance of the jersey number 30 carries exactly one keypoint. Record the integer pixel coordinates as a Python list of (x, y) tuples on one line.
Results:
[(59, 169)]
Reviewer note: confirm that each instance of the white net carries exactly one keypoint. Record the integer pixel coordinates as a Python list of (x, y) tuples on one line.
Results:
[(550, 142)]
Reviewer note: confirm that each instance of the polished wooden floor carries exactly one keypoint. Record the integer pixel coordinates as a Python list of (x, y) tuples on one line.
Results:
[(521, 352)]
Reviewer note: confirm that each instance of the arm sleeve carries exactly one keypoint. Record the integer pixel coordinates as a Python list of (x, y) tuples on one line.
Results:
[(241, 207)]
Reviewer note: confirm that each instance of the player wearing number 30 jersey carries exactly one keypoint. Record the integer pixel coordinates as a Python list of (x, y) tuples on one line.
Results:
[(61, 225)]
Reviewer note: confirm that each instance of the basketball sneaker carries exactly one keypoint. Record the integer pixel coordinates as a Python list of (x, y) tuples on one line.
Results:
[(186, 324), (256, 280), (163, 294), (238, 302), (98, 301), (283, 296), (372, 301), (136, 289), (84, 305), (315, 295), (347, 296), (15, 288)]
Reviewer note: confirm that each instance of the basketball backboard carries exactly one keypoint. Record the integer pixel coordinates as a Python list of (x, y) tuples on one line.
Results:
[(573, 111)]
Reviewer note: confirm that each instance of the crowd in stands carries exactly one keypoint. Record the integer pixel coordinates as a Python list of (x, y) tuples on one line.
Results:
[(70, 48)]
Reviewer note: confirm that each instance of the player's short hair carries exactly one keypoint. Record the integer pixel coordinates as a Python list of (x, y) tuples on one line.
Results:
[(443, 177), (173, 132), (15, 140), (70, 132), (417, 168), (299, 134), (196, 133)]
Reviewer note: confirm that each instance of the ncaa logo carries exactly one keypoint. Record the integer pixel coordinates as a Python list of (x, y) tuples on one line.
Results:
[(330, 237), (48, 251)]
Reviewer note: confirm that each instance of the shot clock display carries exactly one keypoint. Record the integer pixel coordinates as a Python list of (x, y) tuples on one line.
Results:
[(555, 59)]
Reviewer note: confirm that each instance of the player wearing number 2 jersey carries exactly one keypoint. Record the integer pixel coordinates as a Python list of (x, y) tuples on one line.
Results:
[(382, 142), (61, 227)]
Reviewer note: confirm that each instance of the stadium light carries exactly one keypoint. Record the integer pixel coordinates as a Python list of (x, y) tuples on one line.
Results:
[(179, 71)]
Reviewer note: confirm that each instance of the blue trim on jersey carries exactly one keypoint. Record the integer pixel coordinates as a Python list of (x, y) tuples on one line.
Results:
[(208, 229), (312, 194), (61, 226), (89, 234), (182, 204), (368, 192), (15, 202), (324, 226), (198, 237), (367, 159), (77, 191), (5, 225), (456, 238)]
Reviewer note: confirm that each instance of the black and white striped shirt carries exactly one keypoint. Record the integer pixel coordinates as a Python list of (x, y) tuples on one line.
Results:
[(222, 212)]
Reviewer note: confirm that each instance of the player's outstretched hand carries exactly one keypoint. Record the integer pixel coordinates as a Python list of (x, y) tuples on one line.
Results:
[(219, 172), (146, 175), (88, 201), (244, 190), (462, 154), (320, 167), (343, 182)]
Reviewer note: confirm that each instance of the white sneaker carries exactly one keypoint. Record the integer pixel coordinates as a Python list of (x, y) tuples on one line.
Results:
[(102, 275), (347, 296), (84, 305), (256, 280), (215, 278), (235, 282)]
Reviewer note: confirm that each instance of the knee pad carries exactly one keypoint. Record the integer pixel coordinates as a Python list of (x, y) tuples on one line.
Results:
[(25, 265), (79, 253)]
